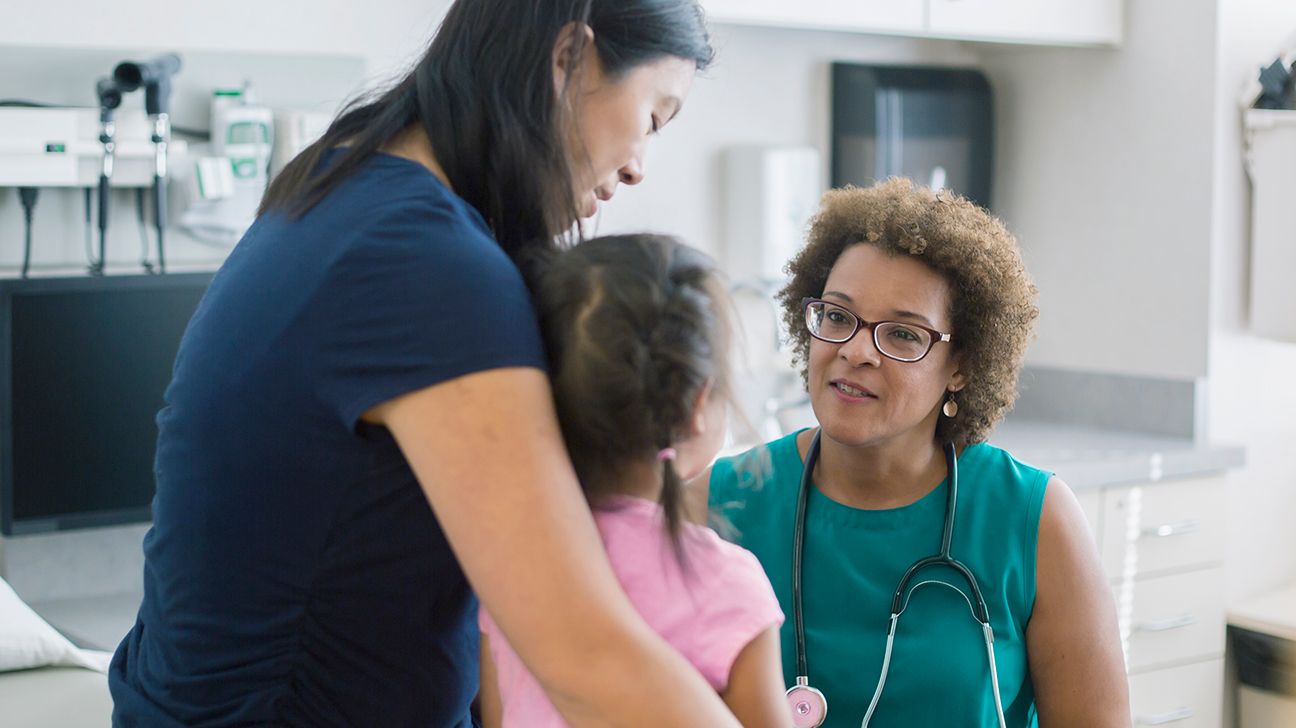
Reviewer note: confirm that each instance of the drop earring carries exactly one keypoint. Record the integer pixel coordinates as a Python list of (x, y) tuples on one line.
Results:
[(950, 408)]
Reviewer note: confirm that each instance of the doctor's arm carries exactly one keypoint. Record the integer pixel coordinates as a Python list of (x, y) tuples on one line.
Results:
[(489, 454), (1073, 640)]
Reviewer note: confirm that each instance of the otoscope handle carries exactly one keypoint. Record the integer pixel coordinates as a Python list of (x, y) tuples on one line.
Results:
[(104, 205), (160, 218)]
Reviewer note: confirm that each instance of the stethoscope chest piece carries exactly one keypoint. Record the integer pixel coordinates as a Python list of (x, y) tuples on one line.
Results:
[(809, 706)]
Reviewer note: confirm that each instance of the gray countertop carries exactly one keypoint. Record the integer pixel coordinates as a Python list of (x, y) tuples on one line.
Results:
[(1090, 457)]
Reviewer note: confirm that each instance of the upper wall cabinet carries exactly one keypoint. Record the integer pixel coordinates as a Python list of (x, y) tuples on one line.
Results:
[(878, 16), (1048, 22), (1096, 22)]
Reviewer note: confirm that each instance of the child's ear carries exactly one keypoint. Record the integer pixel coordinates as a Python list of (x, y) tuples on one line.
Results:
[(697, 420)]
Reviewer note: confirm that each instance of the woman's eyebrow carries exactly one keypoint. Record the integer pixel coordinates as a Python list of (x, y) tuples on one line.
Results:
[(912, 315), (896, 313)]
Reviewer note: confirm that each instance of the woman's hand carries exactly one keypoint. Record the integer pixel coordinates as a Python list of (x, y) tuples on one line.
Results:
[(488, 452), (1073, 640)]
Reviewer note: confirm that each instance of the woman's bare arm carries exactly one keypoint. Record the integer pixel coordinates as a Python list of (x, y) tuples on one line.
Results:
[(1073, 641), (488, 452)]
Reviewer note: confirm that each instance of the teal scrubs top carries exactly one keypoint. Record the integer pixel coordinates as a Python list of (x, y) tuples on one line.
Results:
[(854, 559)]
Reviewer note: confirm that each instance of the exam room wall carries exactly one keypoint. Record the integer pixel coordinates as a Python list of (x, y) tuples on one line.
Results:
[(1252, 391), (1121, 173), (768, 86), (300, 55), (1103, 171), (1251, 397), (384, 32)]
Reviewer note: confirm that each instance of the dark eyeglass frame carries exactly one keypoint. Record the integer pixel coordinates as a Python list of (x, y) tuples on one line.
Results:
[(872, 326)]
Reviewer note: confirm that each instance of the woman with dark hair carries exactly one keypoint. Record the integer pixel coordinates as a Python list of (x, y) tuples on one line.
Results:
[(359, 432)]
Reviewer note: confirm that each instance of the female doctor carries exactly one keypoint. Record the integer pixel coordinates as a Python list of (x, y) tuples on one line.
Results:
[(932, 579)]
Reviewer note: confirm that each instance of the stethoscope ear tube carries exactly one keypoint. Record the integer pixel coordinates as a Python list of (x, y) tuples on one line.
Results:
[(809, 706), (798, 554)]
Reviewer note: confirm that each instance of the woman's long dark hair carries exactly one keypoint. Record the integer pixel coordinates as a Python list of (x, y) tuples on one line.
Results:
[(484, 94)]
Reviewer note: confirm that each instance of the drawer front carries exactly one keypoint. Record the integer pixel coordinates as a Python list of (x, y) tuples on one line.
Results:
[(1190, 696), (1163, 526), (1171, 618)]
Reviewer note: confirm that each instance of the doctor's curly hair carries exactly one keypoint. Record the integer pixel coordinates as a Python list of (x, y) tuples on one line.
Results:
[(992, 306)]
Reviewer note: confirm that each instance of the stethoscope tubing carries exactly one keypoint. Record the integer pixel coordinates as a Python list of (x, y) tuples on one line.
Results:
[(900, 599)]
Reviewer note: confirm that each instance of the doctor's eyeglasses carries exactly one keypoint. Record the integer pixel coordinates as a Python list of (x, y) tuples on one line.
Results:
[(896, 340)]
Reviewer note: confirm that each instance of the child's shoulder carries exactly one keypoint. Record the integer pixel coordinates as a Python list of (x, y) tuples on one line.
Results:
[(634, 534), (708, 605), (733, 602), (730, 573)]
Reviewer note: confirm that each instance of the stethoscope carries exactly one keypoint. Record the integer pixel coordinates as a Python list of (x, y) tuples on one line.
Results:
[(809, 706)]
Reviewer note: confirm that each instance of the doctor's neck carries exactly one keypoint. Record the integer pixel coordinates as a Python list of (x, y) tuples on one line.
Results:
[(891, 473)]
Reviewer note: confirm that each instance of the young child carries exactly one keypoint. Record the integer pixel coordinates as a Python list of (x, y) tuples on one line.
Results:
[(637, 332)]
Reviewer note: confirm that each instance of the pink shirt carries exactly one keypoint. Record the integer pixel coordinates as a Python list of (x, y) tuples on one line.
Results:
[(708, 615)]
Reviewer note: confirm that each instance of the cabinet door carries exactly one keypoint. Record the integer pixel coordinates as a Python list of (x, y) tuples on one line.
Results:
[(881, 16), (1043, 21)]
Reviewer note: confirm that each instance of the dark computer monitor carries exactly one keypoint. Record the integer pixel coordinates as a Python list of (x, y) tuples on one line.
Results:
[(83, 365)]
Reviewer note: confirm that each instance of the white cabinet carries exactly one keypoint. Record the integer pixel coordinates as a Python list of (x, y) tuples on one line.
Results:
[(1156, 528), (1046, 21), (1063, 22), (1162, 548), (1190, 696), (378, 29), (879, 16), (1172, 619)]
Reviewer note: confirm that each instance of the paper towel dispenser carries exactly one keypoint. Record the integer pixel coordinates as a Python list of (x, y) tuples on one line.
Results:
[(932, 125)]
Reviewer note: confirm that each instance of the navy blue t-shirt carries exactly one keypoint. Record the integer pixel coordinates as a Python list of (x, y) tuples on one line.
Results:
[(295, 573)]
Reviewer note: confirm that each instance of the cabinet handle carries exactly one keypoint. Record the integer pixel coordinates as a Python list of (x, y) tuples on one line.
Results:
[(1173, 716), (1172, 529), (1164, 625)]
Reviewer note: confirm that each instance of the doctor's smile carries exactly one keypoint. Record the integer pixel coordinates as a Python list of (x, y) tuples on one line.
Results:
[(852, 392)]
